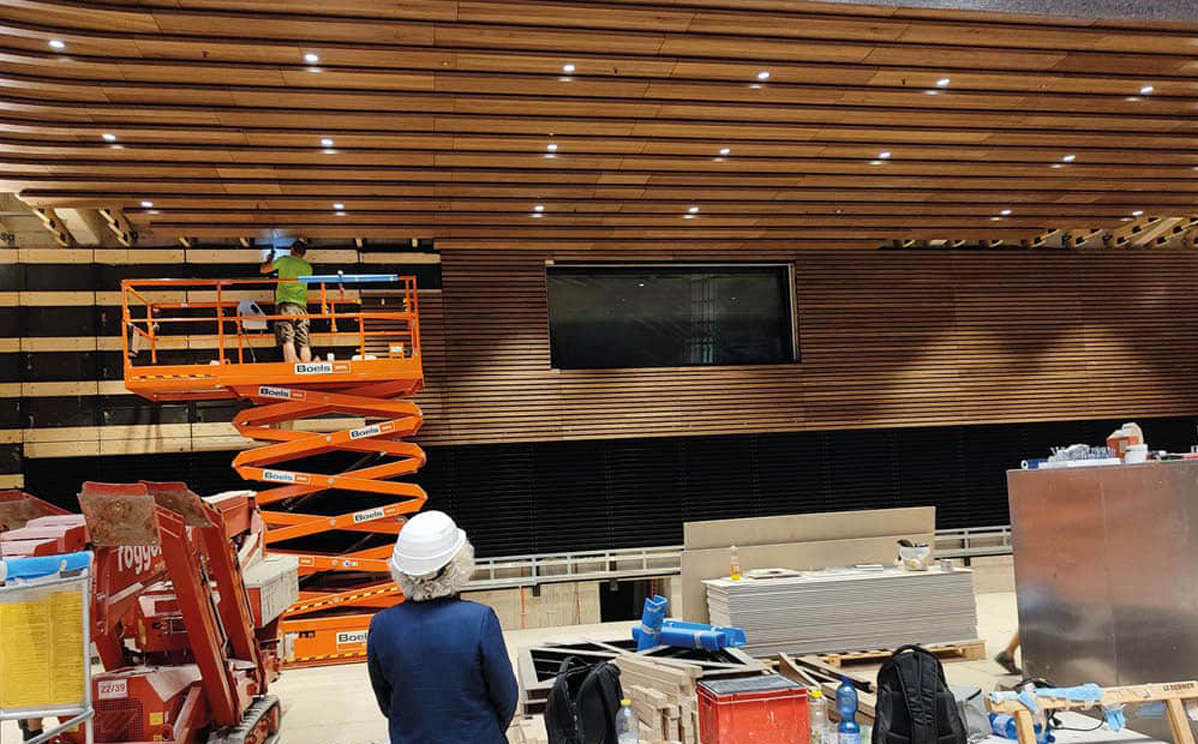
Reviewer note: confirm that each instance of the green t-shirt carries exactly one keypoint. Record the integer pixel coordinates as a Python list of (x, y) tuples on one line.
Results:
[(290, 267)]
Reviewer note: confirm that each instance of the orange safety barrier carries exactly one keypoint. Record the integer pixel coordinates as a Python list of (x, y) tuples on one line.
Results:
[(206, 323)]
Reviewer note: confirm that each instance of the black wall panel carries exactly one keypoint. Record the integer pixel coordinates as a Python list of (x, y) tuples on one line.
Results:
[(561, 496), (62, 320)]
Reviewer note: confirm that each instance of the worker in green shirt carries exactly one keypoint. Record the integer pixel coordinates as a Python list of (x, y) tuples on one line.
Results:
[(291, 298)]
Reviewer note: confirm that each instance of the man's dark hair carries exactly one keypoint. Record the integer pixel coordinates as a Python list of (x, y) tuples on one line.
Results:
[(299, 249)]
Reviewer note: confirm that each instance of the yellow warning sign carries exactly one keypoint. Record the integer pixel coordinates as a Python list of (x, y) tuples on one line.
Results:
[(41, 650)]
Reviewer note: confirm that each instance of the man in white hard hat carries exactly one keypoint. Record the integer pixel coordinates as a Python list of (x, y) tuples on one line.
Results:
[(438, 663)]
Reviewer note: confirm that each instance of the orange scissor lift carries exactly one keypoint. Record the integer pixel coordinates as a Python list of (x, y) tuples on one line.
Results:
[(197, 339)]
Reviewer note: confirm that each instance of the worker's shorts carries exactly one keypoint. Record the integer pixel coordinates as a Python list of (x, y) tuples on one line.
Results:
[(292, 329)]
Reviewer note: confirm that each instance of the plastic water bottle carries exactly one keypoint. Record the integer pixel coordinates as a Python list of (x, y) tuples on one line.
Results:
[(847, 731), (818, 712), (734, 563), (1004, 725), (627, 728)]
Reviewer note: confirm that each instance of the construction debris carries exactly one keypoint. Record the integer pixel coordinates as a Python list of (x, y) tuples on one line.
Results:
[(537, 666)]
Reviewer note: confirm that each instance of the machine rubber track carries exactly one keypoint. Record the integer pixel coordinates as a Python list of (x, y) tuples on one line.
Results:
[(259, 725)]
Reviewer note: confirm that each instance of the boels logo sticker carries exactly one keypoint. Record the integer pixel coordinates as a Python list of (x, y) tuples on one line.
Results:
[(369, 515), (366, 431), (321, 368), (314, 368), (351, 638)]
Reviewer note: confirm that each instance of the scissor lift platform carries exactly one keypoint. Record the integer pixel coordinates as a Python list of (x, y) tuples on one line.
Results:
[(197, 339)]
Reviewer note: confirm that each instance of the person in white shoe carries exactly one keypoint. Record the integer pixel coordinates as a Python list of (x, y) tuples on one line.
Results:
[(438, 664)]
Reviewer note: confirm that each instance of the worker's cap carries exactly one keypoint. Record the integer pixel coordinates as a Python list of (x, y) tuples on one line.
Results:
[(426, 543)]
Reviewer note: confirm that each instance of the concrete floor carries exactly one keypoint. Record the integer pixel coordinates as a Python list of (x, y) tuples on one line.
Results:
[(335, 705)]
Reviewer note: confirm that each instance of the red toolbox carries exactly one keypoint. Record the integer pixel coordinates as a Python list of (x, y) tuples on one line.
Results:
[(753, 710)]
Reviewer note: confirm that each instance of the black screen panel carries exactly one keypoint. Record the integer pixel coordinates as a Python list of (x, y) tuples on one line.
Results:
[(669, 316)]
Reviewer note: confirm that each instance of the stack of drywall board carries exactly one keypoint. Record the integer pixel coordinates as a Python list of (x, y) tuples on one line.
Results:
[(847, 609), (798, 541)]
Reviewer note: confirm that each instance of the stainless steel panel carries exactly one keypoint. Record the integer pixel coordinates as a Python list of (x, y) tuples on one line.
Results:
[(1105, 562)]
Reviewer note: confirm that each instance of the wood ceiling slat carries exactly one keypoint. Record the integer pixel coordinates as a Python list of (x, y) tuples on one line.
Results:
[(369, 86), (828, 25), (617, 137), (255, 108), (698, 154)]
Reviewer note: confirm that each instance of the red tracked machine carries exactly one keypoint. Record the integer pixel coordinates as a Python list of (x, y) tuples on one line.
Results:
[(185, 608)]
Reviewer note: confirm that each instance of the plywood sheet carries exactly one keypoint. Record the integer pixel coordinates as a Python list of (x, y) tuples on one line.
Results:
[(791, 528), (698, 565)]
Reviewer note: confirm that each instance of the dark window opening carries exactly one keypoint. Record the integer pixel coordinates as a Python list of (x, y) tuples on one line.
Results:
[(669, 316)]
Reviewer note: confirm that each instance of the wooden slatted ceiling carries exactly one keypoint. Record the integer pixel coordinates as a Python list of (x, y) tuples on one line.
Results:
[(888, 339), (441, 114)]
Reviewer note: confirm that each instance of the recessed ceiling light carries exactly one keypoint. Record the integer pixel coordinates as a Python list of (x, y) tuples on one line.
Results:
[(1057, 165), (326, 141), (539, 208), (1132, 98), (725, 150), (153, 211), (688, 216), (108, 137), (1005, 212), (1069, 158), (943, 83), (884, 155), (1125, 219), (339, 213), (338, 205), (147, 204), (932, 92), (537, 214), (693, 209), (311, 58), (996, 219), (551, 147), (1147, 90), (876, 162), (57, 44), (567, 68), (1138, 213), (763, 75)]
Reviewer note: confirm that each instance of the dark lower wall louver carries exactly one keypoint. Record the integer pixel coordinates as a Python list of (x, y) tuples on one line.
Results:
[(537, 497)]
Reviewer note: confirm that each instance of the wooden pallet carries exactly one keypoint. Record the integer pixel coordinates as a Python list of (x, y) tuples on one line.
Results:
[(974, 650)]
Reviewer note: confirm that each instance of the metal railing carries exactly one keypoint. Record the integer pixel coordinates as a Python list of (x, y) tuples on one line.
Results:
[(507, 572), (157, 310)]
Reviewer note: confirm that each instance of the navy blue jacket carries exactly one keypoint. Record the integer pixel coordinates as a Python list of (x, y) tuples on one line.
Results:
[(441, 673)]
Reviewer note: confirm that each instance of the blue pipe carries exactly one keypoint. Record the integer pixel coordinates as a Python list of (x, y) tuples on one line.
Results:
[(652, 616), (42, 566)]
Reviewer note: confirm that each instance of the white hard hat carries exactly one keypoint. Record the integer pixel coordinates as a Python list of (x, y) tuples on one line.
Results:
[(426, 543)]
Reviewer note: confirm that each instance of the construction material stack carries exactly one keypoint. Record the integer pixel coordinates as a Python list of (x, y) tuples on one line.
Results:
[(663, 695), (846, 609)]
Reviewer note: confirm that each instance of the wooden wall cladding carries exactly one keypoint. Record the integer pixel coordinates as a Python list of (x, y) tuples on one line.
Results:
[(886, 338)]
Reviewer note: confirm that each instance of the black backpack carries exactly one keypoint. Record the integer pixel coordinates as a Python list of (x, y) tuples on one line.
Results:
[(914, 704), (583, 703)]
